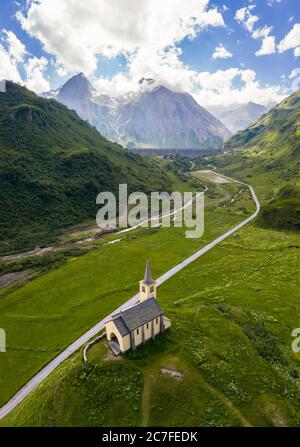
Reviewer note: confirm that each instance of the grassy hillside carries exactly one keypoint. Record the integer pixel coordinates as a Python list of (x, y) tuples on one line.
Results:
[(49, 312), (276, 136), (53, 165), (232, 314), (267, 155), (283, 211), (230, 343), (232, 311)]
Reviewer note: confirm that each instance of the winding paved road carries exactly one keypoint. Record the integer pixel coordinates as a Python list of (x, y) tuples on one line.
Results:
[(48, 369)]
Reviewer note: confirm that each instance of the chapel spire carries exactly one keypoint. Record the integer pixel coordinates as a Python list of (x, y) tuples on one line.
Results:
[(147, 277), (147, 285)]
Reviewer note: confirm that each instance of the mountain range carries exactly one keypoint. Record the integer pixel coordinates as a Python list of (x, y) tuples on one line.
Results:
[(53, 165), (239, 117), (153, 117)]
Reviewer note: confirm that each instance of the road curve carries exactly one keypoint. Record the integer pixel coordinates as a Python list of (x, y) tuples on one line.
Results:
[(50, 367)]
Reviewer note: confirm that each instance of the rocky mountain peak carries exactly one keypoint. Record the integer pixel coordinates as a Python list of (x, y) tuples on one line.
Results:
[(153, 116), (77, 88)]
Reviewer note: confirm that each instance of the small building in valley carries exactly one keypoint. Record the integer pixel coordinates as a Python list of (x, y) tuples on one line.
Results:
[(132, 327)]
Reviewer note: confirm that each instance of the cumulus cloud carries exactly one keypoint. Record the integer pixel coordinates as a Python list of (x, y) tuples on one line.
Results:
[(245, 17), (220, 88), (291, 40), (12, 51), (147, 33), (16, 48), (76, 32), (35, 78), (221, 53), (297, 52), (294, 73), (164, 66), (8, 66), (268, 46), (261, 33)]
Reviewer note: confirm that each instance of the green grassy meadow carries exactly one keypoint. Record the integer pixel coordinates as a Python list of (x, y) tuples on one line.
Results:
[(232, 312), (45, 315)]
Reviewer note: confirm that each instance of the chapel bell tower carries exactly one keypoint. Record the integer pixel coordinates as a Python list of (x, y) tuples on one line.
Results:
[(147, 285)]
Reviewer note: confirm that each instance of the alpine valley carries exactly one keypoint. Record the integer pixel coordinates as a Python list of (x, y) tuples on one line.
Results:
[(149, 246), (232, 310)]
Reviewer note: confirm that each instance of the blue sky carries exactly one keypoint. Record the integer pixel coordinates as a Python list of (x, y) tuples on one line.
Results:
[(220, 51)]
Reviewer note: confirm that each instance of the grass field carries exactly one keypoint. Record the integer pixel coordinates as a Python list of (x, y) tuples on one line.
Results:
[(46, 314), (232, 313)]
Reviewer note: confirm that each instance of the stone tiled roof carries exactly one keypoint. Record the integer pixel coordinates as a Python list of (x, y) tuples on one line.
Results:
[(121, 326), (137, 315)]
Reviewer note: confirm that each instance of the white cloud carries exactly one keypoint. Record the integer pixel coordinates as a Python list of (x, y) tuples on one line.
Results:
[(262, 33), (245, 17), (221, 53), (76, 32), (8, 66), (223, 87), (268, 46), (61, 71), (12, 51), (16, 48), (147, 33), (271, 2), (248, 76), (297, 52), (34, 70), (291, 40), (164, 66), (219, 89), (15, 53), (294, 73)]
